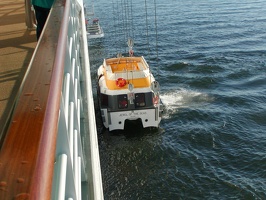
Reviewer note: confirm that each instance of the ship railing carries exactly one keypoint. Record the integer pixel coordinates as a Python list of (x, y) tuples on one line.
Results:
[(52, 129), (71, 110)]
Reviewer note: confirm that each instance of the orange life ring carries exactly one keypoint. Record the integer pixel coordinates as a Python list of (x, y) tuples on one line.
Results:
[(120, 82)]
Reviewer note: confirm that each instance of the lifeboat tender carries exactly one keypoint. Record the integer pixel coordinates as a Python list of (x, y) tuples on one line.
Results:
[(127, 90), (94, 30)]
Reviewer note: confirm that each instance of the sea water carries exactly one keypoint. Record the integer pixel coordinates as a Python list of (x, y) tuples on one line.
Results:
[(209, 57)]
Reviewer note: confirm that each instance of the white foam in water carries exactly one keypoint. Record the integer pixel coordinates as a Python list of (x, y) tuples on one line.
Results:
[(182, 98)]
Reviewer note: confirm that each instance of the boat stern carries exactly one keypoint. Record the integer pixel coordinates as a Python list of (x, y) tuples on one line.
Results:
[(117, 120)]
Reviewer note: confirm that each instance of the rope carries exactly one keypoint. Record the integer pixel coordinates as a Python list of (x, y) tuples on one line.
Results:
[(147, 29), (132, 23), (123, 24), (114, 24), (120, 23), (156, 35), (127, 18)]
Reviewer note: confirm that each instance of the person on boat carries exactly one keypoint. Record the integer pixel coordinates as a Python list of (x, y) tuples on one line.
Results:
[(95, 21), (42, 10)]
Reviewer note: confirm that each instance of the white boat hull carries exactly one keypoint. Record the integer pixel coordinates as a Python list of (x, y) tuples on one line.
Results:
[(119, 103), (116, 120)]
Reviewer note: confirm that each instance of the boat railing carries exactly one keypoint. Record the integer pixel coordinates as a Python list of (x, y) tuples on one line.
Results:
[(42, 151)]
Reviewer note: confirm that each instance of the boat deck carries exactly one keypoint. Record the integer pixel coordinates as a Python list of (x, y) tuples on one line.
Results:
[(121, 67), (115, 65), (16, 49)]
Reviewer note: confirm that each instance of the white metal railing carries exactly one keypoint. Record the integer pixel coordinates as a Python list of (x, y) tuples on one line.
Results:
[(54, 107), (69, 168)]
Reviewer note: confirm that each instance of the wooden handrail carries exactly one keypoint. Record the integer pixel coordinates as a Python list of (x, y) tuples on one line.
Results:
[(28, 150), (45, 162)]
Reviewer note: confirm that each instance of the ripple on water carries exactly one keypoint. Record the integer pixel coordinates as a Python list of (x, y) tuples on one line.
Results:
[(211, 144)]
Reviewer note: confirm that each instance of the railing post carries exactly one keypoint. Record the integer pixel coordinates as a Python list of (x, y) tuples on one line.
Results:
[(71, 107), (29, 16), (60, 177)]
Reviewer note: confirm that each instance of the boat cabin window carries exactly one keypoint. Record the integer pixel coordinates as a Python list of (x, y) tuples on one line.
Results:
[(140, 100), (122, 101), (104, 100)]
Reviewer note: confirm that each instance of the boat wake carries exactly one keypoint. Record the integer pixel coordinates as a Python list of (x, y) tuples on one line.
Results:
[(183, 98)]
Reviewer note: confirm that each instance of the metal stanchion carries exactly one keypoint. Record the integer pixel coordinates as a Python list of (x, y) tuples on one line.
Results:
[(29, 16)]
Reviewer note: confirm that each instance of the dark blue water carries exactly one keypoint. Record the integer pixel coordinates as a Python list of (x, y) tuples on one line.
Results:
[(211, 64)]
